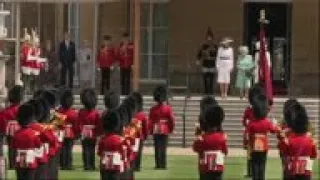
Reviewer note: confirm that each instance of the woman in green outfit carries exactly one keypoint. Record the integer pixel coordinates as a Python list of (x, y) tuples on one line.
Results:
[(245, 68)]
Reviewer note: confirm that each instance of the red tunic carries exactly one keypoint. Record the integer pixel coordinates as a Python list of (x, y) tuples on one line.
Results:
[(6, 115), (125, 55), (142, 118), (71, 123), (247, 116), (111, 152), (25, 51), (161, 119), (257, 132), (89, 123), (35, 52), (212, 147), (106, 57), (25, 142), (301, 149)]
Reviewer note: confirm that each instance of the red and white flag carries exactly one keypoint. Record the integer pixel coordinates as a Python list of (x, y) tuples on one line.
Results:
[(264, 69)]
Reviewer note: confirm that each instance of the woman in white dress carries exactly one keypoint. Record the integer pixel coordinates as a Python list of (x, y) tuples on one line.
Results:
[(224, 65), (86, 69)]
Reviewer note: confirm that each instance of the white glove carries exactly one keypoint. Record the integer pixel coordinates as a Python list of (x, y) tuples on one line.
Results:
[(112, 68)]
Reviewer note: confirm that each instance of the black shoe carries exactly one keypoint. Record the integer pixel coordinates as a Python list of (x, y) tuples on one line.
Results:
[(248, 176)]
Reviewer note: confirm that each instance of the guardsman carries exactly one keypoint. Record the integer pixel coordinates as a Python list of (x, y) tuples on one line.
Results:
[(8, 123), (143, 121), (111, 148), (89, 126), (161, 124), (111, 101), (125, 57), (300, 147), (204, 104), (258, 130), (212, 145), (26, 142), (106, 58), (70, 129), (25, 53), (207, 55)]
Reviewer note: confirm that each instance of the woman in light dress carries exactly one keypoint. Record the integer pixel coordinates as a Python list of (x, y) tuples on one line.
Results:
[(224, 66), (245, 66), (86, 70)]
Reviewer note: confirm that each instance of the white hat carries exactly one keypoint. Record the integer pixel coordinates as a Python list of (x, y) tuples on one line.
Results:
[(226, 40), (244, 50)]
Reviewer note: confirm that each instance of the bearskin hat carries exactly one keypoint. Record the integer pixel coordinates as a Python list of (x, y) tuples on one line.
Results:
[(299, 118), (214, 116), (112, 122), (88, 98), (255, 91), (123, 113), (50, 97), (111, 100), (15, 94), (260, 107), (67, 99), (38, 93), (160, 94), (204, 104), (287, 111), (139, 100), (41, 109), (130, 101), (25, 114)]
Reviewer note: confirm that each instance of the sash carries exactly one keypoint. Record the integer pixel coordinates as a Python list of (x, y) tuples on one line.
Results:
[(259, 143), (12, 127), (68, 131), (112, 161), (25, 157), (300, 165), (212, 160), (160, 127), (87, 131), (135, 147)]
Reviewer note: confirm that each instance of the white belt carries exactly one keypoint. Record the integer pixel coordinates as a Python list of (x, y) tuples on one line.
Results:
[(219, 156), (30, 155)]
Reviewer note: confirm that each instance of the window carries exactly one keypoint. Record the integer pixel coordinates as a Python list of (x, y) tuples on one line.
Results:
[(154, 39)]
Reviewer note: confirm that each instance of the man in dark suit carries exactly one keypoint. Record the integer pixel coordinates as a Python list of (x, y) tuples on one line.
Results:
[(67, 54)]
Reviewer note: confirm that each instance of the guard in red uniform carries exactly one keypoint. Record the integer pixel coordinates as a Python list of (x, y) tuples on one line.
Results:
[(106, 58), (204, 104), (89, 126), (258, 130), (143, 121), (111, 148), (26, 63), (8, 123), (27, 144), (161, 124), (299, 147), (125, 57), (70, 129), (212, 145)]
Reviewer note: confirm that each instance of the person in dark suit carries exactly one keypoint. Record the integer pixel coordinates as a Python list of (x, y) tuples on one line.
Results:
[(67, 54)]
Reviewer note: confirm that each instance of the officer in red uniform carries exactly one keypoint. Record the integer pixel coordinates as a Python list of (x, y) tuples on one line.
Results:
[(299, 146), (111, 148), (212, 145), (70, 129), (26, 143), (8, 123), (161, 124), (258, 130), (125, 57), (143, 121), (106, 58), (89, 126)]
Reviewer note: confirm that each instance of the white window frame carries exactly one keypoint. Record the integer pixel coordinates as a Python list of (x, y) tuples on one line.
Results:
[(150, 28)]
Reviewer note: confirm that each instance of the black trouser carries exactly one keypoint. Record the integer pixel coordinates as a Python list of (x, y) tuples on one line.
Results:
[(64, 70), (258, 165), (53, 168), (139, 156), (125, 75), (109, 175), (249, 170), (42, 172), (301, 177), (26, 174), (105, 80), (66, 154), (211, 176), (11, 153), (1, 144), (160, 147), (209, 82), (88, 156)]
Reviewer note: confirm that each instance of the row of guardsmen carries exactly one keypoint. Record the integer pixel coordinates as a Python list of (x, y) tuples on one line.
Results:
[(295, 142), (40, 130)]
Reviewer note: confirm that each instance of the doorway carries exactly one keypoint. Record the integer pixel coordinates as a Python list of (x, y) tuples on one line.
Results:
[(278, 34)]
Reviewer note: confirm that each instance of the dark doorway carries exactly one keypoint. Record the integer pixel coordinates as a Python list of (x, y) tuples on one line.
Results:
[(278, 33)]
